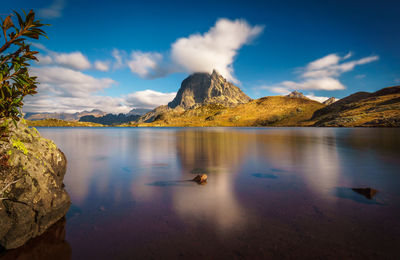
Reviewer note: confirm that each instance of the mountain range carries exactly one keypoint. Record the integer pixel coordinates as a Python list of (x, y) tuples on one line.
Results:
[(94, 116), (206, 99)]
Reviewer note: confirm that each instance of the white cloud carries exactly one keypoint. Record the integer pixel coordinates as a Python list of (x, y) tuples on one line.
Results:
[(329, 60), (323, 83), (102, 65), (44, 59), (118, 56), (279, 90), (149, 98), (323, 74), (360, 76), (69, 82), (215, 49), (53, 11), (74, 60), (146, 64), (317, 98), (67, 90)]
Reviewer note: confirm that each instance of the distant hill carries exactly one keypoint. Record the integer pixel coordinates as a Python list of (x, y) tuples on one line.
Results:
[(60, 123), (94, 116), (139, 111), (267, 111), (63, 116), (110, 119), (205, 88), (381, 108), (209, 100)]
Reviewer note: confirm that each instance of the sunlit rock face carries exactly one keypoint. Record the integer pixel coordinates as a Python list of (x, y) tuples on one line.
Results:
[(32, 192), (205, 88), (330, 101)]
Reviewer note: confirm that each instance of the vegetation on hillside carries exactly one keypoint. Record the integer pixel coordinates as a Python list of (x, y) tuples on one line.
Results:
[(15, 55), (381, 108), (267, 111), (61, 123)]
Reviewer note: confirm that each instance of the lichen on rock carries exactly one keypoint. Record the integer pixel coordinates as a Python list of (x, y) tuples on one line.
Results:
[(32, 194)]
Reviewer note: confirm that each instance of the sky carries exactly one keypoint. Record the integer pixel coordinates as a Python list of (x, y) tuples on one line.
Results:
[(119, 55)]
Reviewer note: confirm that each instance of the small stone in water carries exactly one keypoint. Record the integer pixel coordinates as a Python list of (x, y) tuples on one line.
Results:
[(200, 178)]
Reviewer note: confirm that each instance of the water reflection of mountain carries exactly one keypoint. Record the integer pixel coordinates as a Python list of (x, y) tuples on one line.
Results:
[(266, 186)]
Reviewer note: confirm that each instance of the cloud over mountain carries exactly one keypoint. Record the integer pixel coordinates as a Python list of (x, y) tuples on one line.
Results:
[(215, 49)]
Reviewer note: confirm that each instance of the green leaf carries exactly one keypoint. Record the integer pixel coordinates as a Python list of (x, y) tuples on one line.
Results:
[(7, 24)]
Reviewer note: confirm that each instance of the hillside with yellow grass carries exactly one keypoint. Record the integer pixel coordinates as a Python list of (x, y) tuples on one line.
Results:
[(378, 109), (266, 111)]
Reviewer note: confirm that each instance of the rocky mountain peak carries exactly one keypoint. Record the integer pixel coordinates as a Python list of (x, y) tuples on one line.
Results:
[(296, 94), (329, 101), (206, 88)]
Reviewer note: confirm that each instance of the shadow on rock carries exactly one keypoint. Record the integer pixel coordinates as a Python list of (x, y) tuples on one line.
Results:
[(49, 245)]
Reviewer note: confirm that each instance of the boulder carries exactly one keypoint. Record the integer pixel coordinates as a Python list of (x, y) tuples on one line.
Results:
[(201, 178), (369, 193), (32, 194)]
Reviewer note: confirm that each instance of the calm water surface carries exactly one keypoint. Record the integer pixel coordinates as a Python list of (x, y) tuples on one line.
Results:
[(271, 193)]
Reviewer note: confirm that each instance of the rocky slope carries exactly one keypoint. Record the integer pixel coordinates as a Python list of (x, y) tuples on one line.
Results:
[(381, 108), (205, 88), (267, 111), (296, 94), (329, 101), (32, 192)]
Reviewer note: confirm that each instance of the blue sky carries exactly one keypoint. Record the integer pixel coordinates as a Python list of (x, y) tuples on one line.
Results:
[(321, 48)]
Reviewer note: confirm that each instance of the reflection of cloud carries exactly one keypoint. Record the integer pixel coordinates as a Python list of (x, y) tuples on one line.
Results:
[(311, 153), (220, 155), (88, 151), (321, 162)]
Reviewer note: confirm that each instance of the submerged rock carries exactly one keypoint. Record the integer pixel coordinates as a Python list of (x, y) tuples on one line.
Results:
[(201, 178), (32, 194), (369, 193)]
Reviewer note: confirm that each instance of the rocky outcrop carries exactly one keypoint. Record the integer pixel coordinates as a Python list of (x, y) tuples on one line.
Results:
[(205, 88), (329, 101), (32, 194), (296, 94)]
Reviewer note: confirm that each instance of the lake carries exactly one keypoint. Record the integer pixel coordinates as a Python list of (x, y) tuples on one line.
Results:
[(271, 193)]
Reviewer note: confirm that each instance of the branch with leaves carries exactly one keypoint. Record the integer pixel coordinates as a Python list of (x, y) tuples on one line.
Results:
[(15, 55)]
